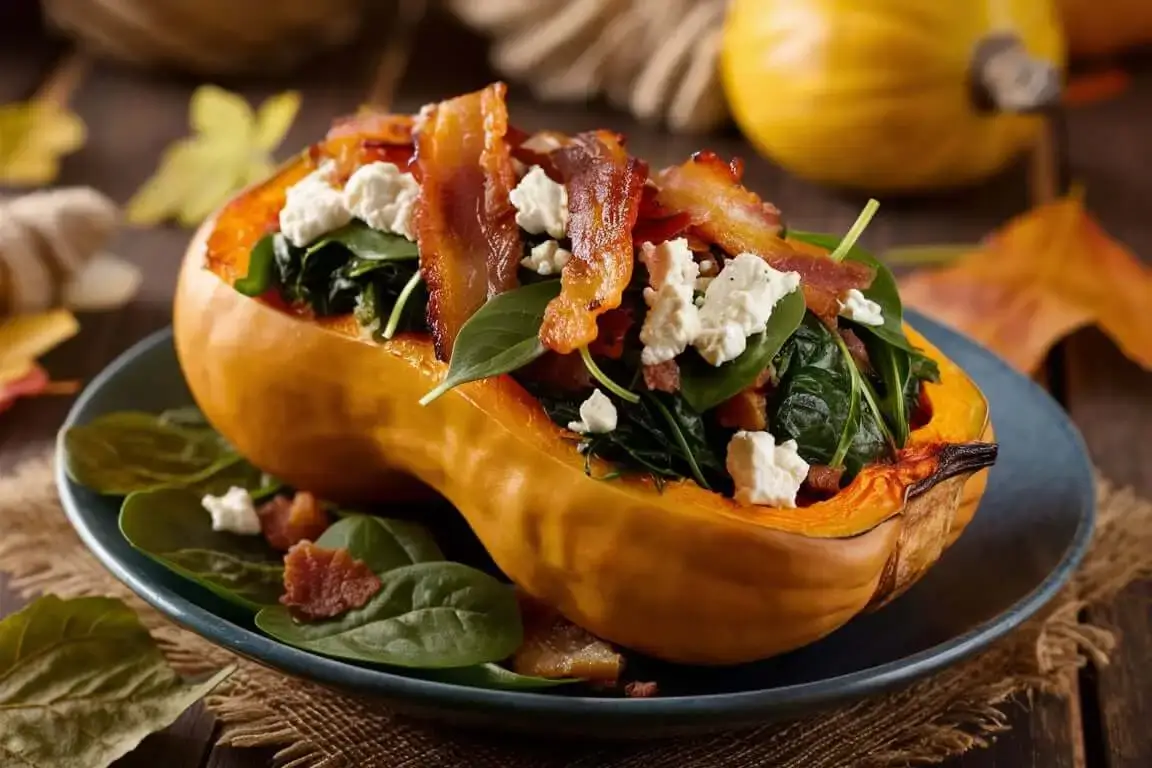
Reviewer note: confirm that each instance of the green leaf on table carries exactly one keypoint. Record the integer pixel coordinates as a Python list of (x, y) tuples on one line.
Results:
[(119, 453), (705, 386), (883, 290), (82, 683), (381, 543), (261, 269), (427, 615), (497, 677), (501, 337), (172, 527)]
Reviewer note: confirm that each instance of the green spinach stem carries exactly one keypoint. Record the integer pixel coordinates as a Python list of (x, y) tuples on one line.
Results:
[(398, 307), (854, 233), (602, 377), (679, 437)]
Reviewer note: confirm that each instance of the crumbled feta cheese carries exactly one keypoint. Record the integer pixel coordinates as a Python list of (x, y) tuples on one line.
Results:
[(764, 472), (858, 308), (548, 258), (541, 204), (673, 320), (738, 304), (597, 415), (312, 208), (383, 197), (233, 512)]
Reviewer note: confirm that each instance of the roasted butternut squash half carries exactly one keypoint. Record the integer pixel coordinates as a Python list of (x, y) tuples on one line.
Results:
[(380, 352)]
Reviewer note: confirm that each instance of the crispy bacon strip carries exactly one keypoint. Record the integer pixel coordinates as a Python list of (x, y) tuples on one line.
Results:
[(604, 185), (555, 647), (735, 218), (465, 224), (655, 223), (537, 149)]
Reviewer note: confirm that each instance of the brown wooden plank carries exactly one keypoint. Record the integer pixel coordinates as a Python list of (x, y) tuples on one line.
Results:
[(26, 51)]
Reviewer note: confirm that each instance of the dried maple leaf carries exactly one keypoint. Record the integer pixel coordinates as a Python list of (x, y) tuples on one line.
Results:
[(22, 340), (34, 135), (231, 147), (1042, 276)]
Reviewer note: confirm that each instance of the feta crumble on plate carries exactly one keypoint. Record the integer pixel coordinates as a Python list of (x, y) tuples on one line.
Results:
[(233, 512)]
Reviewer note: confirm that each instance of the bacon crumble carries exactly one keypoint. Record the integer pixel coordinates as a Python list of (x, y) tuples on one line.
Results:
[(324, 583), (286, 521)]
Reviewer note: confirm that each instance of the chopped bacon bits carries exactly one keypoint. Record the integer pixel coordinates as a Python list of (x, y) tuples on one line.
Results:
[(823, 479), (465, 224), (641, 690), (663, 377), (323, 583), (604, 186), (285, 521), (555, 647), (745, 410)]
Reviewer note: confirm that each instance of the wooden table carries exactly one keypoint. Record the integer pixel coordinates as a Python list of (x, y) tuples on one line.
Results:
[(132, 116)]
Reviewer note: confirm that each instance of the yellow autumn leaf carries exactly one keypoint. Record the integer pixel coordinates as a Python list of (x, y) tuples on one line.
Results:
[(1040, 277), (34, 135), (25, 338), (231, 147)]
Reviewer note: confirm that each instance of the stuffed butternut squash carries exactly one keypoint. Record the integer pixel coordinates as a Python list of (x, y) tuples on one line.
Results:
[(689, 432)]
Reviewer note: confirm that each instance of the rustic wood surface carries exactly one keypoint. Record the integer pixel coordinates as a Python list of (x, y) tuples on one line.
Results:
[(132, 116)]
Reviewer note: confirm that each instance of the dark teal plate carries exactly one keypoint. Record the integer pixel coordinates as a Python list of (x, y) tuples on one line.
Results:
[(1032, 528)]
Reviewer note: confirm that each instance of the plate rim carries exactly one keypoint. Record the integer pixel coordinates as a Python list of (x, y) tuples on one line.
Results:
[(733, 707)]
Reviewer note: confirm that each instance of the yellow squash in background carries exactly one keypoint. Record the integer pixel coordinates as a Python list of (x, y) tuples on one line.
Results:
[(891, 95)]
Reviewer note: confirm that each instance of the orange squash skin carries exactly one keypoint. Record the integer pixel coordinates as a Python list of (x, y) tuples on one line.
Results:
[(684, 575)]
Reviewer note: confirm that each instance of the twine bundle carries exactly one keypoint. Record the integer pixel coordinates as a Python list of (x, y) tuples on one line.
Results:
[(208, 37), (658, 60), (51, 253)]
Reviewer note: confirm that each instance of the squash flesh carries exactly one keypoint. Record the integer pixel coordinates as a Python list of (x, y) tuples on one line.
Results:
[(684, 575)]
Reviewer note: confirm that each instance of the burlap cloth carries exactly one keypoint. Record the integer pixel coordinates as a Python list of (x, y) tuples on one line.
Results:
[(957, 710)]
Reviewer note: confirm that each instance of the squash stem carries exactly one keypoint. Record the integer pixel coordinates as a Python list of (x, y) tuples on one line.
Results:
[(854, 233), (602, 377), (398, 307)]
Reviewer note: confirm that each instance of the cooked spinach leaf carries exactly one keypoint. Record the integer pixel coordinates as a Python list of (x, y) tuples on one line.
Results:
[(894, 367), (648, 436), (500, 337), (705, 386), (813, 403), (428, 615), (368, 244), (172, 527), (261, 269)]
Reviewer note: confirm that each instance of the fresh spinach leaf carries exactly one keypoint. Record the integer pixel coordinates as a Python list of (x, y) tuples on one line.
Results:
[(883, 290), (118, 453), (924, 368), (368, 244), (381, 543), (813, 403), (497, 677), (82, 683), (428, 615), (171, 527), (261, 269), (501, 337), (705, 386), (187, 417)]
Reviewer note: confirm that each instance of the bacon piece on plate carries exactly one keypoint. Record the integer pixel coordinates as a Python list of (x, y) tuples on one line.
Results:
[(322, 583), (735, 218), (555, 647), (465, 223), (604, 185), (663, 377), (286, 522)]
